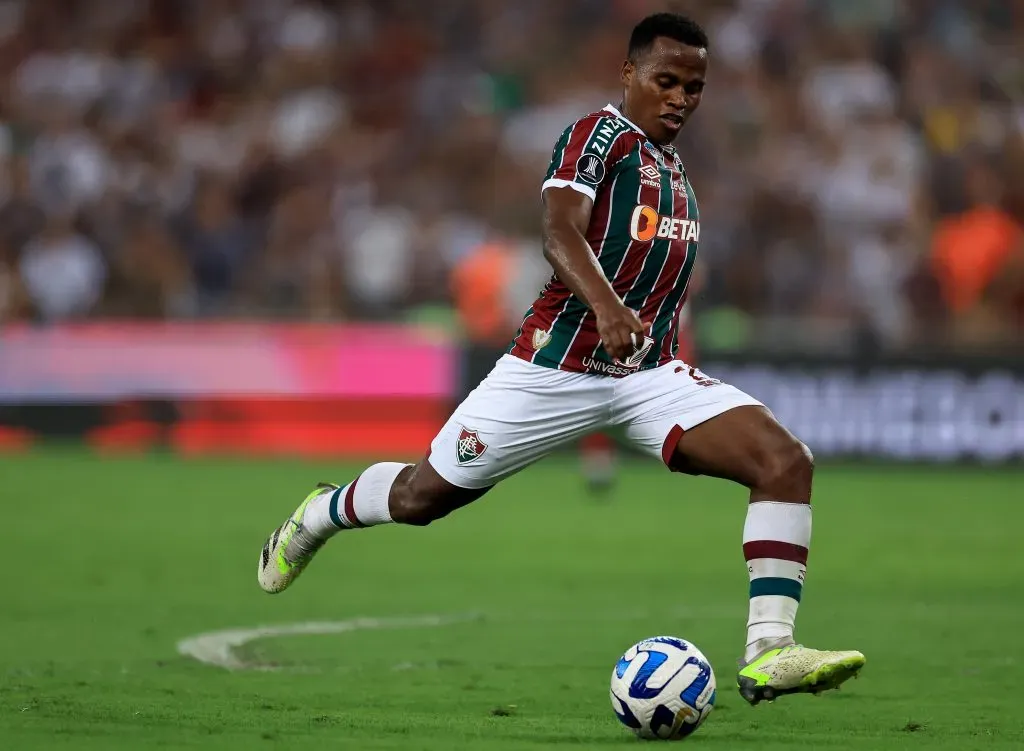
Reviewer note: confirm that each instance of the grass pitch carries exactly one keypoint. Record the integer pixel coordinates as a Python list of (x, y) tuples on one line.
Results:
[(111, 562)]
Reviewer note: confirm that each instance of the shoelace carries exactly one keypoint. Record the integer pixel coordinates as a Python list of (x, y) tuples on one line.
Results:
[(782, 650), (301, 544)]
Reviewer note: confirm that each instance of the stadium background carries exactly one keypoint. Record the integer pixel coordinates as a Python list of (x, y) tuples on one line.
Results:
[(296, 230), (359, 164)]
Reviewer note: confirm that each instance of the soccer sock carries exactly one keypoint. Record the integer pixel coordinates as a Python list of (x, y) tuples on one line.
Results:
[(361, 503), (597, 458), (776, 537)]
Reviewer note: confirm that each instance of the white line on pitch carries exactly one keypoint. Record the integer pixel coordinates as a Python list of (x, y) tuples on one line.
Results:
[(218, 647)]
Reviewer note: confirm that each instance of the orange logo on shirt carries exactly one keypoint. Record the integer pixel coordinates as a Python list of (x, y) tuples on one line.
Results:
[(646, 224), (643, 226)]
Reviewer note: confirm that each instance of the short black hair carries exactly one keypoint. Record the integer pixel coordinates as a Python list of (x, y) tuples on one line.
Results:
[(671, 25)]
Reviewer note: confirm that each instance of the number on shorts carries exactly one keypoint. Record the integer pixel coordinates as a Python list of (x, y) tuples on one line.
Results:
[(699, 377)]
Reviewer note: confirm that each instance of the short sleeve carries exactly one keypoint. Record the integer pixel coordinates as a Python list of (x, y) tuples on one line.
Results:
[(584, 154)]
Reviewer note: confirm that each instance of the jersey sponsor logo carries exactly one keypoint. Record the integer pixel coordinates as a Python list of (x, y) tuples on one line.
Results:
[(650, 176), (630, 365), (605, 135), (469, 447), (605, 368), (590, 168), (646, 224), (541, 339)]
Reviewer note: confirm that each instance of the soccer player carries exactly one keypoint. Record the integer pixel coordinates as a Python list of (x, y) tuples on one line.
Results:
[(597, 349)]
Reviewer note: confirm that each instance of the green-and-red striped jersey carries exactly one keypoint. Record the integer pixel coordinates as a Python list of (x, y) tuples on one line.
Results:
[(644, 230)]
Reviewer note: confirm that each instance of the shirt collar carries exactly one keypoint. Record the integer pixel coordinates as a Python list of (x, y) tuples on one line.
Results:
[(669, 149), (615, 111)]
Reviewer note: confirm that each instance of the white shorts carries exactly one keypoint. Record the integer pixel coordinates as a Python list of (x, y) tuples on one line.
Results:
[(521, 412)]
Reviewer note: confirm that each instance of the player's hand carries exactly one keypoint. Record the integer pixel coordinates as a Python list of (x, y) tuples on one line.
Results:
[(620, 329)]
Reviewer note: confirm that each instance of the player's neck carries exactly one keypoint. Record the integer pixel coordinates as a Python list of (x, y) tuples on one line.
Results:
[(623, 109)]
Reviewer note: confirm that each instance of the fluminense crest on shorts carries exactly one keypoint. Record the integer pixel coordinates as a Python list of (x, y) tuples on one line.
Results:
[(469, 446)]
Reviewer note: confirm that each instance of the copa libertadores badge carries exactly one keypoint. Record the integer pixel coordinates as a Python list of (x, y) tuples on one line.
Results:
[(469, 446), (590, 168)]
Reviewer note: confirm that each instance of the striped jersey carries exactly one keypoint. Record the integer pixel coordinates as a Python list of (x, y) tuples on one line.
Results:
[(644, 229)]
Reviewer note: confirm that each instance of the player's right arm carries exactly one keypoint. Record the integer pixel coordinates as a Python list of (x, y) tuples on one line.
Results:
[(580, 163), (565, 222)]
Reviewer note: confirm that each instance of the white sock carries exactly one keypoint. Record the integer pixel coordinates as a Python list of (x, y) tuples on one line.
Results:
[(361, 503), (776, 538)]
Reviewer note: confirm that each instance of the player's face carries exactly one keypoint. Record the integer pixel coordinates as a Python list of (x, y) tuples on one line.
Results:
[(664, 87)]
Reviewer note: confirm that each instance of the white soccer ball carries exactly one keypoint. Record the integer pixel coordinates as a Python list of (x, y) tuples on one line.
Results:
[(663, 688)]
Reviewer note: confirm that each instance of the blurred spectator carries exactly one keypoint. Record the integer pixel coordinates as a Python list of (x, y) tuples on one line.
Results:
[(62, 271), (217, 243), (306, 158), (150, 277), (292, 275), (12, 295), (978, 257)]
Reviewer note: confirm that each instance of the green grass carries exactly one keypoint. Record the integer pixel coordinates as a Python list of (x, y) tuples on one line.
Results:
[(112, 561)]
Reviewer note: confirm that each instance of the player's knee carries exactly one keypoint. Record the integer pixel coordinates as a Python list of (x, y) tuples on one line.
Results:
[(416, 506), (787, 471)]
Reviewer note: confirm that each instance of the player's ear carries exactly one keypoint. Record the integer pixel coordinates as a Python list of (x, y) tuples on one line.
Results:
[(626, 74)]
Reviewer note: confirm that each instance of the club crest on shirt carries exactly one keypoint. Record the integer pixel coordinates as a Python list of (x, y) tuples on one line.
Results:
[(541, 339), (469, 447)]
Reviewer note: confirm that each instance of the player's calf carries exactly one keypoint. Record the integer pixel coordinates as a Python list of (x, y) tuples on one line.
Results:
[(385, 493), (421, 496)]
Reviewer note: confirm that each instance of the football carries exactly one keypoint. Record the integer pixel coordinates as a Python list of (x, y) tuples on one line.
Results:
[(663, 688)]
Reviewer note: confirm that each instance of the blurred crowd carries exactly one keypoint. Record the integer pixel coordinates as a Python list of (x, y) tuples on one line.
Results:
[(859, 165)]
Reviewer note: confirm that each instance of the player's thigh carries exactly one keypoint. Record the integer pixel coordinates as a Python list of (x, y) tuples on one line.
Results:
[(659, 406), (517, 415), (749, 446)]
